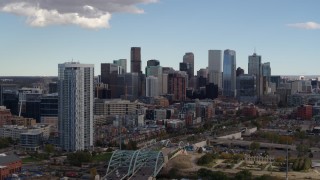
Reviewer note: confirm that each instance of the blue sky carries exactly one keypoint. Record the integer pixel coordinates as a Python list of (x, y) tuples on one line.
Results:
[(279, 30)]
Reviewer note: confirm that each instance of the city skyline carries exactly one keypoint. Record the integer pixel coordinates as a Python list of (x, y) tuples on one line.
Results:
[(165, 30)]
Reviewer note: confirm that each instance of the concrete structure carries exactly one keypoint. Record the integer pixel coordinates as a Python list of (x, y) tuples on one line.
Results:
[(9, 164), (135, 60), (236, 135), (215, 67), (229, 73), (249, 131), (76, 106)]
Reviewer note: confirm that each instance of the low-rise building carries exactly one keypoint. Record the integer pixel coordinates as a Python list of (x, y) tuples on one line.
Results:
[(9, 164), (115, 107), (14, 131), (175, 124), (32, 140), (21, 121)]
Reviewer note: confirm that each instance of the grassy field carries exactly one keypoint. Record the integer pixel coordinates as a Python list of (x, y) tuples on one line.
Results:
[(102, 157), (30, 160)]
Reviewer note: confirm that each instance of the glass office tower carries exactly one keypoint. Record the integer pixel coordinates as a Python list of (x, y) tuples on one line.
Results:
[(229, 73)]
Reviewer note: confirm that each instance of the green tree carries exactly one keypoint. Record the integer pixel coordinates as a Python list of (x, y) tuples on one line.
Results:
[(49, 148), (208, 174), (310, 155), (79, 157), (206, 159), (173, 173), (302, 163), (266, 177), (254, 147), (4, 143), (243, 175), (302, 149), (307, 164)]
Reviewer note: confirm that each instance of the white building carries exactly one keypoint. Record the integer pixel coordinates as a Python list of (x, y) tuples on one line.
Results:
[(155, 71), (75, 107), (116, 107), (215, 67), (14, 131), (152, 88)]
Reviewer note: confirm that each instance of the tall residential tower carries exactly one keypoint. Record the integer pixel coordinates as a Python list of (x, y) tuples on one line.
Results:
[(75, 108)]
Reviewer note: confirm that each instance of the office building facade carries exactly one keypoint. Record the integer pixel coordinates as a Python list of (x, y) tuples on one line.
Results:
[(255, 68), (136, 59), (215, 67), (188, 58), (229, 73), (121, 63), (152, 88)]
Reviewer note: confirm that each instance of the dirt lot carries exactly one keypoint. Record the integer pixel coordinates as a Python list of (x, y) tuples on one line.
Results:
[(187, 163)]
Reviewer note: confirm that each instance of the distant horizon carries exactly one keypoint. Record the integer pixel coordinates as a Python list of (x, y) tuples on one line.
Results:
[(129, 72)]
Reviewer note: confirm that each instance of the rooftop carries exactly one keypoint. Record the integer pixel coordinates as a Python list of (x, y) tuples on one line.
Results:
[(6, 159)]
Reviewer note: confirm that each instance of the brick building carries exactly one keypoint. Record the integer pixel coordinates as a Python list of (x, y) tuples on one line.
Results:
[(9, 164), (5, 115), (304, 112)]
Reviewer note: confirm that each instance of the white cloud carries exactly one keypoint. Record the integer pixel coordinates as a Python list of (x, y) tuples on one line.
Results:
[(306, 25), (84, 13)]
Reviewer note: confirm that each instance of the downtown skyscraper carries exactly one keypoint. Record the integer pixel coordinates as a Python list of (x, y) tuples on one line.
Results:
[(75, 109), (135, 59), (255, 68), (215, 67), (229, 73), (188, 61)]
